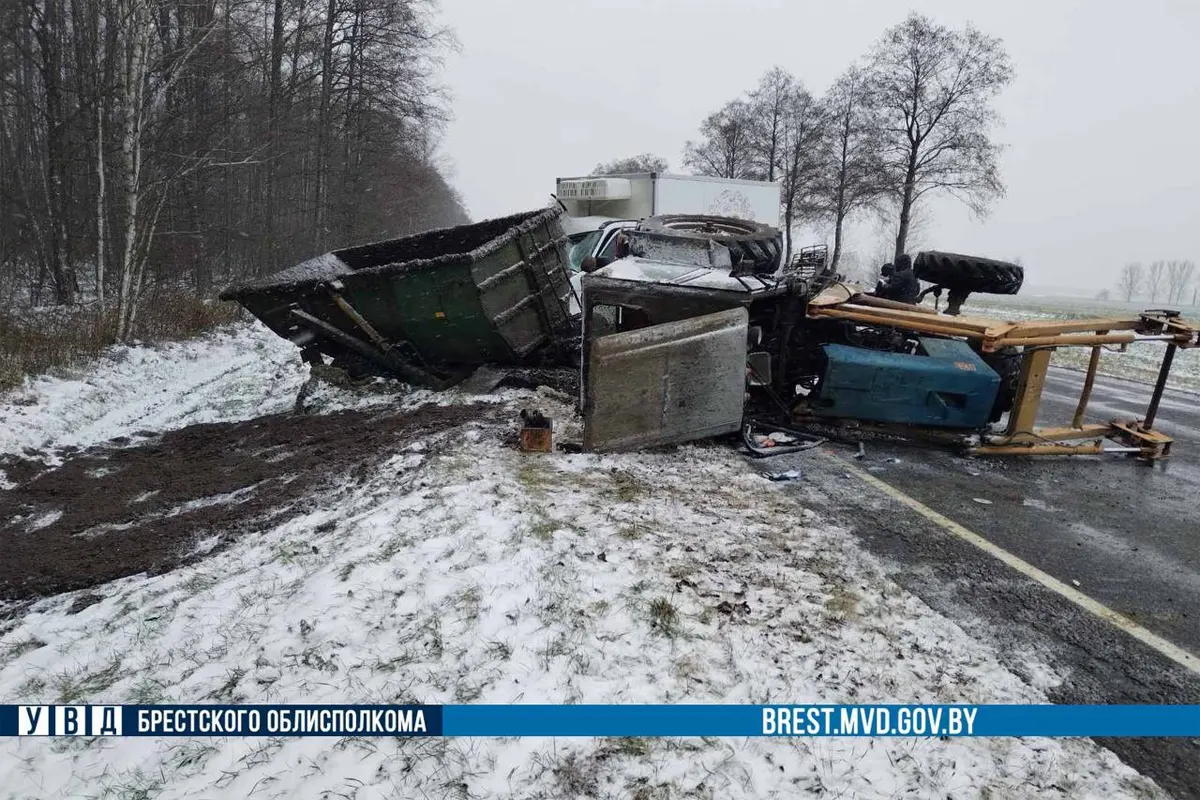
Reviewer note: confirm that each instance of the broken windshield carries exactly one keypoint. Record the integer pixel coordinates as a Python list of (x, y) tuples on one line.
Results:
[(581, 245)]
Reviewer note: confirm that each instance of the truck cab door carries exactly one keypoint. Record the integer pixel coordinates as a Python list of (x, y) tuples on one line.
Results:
[(603, 244), (666, 383)]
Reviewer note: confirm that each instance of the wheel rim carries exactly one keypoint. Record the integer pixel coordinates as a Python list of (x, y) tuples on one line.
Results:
[(711, 228)]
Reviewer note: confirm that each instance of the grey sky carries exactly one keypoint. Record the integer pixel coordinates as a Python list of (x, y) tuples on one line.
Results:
[(1100, 123)]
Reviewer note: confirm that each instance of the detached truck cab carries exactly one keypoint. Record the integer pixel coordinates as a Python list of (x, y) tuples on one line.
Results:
[(599, 207)]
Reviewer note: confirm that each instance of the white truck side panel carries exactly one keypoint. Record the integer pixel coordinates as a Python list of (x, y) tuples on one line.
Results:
[(687, 194), (684, 194)]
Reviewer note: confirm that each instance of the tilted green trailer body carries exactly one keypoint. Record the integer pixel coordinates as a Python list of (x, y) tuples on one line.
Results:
[(446, 300)]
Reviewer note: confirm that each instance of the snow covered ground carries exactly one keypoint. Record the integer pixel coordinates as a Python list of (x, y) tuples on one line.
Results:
[(238, 372), (458, 571)]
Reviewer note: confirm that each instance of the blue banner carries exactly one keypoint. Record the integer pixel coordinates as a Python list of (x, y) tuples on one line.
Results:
[(601, 720), (821, 720)]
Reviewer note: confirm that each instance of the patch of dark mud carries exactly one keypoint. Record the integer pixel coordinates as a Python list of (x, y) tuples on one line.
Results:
[(19, 470), (565, 381), (123, 511), (82, 601)]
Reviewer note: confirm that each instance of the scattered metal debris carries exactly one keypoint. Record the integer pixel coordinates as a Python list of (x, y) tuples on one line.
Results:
[(778, 441), (695, 330)]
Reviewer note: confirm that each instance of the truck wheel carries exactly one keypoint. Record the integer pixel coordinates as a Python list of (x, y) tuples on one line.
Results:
[(968, 273), (756, 243)]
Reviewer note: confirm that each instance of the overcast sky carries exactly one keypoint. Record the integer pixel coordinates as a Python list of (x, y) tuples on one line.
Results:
[(1102, 165)]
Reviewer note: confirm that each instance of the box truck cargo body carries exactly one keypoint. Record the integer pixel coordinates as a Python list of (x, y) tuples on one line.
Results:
[(648, 194)]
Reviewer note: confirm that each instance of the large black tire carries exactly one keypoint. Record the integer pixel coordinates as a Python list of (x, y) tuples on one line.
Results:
[(968, 273), (756, 244)]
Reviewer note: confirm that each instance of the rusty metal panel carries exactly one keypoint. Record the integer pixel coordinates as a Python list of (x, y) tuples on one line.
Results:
[(666, 383)]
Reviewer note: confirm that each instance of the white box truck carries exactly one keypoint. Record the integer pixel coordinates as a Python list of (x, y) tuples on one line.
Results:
[(598, 207)]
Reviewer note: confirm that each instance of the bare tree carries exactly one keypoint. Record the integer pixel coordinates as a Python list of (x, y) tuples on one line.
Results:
[(932, 88), (773, 134), (168, 144), (1154, 278), (49, 25), (643, 162), (1179, 276), (801, 159), (134, 101), (1130, 282), (725, 148), (857, 269), (770, 103), (851, 176)]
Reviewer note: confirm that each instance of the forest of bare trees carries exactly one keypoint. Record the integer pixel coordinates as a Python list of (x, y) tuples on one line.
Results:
[(186, 143), (1174, 282), (913, 117), (153, 148)]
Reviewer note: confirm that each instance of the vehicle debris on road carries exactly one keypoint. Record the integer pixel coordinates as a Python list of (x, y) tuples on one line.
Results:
[(697, 327)]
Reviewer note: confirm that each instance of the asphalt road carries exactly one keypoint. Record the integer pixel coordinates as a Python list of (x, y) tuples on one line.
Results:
[(1125, 533)]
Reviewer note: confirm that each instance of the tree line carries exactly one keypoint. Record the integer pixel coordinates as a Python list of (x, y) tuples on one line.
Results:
[(911, 118), (1172, 281), (187, 143)]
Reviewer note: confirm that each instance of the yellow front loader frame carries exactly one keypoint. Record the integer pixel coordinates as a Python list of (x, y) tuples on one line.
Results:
[(1039, 340)]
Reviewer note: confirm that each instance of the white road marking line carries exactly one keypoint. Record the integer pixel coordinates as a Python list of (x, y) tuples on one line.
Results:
[(1092, 606)]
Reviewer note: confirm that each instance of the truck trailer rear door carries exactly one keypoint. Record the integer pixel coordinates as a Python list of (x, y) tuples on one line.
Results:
[(666, 383)]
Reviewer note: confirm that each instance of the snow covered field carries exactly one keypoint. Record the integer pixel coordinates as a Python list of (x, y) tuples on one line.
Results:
[(1140, 362), (459, 570)]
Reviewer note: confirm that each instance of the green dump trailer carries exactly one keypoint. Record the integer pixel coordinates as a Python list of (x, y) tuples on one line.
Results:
[(432, 307)]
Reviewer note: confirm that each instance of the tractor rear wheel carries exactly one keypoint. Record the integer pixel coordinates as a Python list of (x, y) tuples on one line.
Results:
[(968, 273), (753, 242)]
